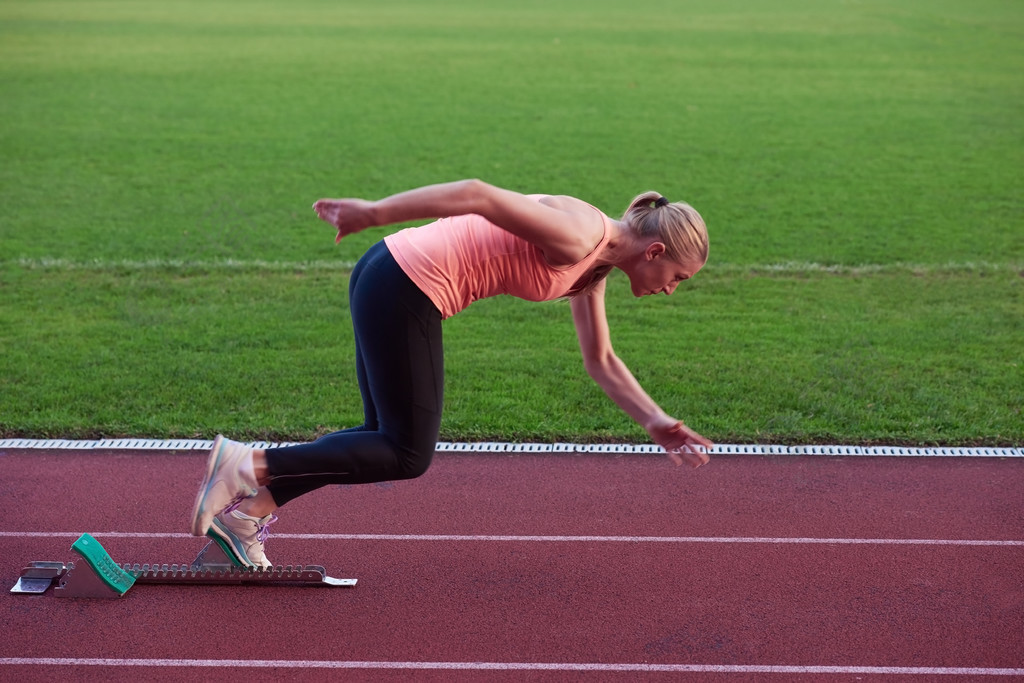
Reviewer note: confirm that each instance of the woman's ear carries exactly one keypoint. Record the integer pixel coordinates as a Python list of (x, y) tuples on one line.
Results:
[(654, 250)]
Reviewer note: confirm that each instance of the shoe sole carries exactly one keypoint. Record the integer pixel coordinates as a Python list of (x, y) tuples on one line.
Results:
[(198, 529), (227, 544)]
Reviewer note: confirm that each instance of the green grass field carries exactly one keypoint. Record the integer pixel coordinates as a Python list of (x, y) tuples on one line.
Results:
[(859, 164)]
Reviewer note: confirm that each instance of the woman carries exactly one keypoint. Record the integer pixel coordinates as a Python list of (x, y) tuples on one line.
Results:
[(494, 241)]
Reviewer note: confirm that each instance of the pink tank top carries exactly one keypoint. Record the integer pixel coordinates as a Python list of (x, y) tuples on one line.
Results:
[(457, 260)]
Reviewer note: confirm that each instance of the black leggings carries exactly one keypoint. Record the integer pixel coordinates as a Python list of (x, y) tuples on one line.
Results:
[(400, 366)]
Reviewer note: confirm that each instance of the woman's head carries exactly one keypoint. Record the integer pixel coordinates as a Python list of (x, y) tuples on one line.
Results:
[(676, 224), (670, 244)]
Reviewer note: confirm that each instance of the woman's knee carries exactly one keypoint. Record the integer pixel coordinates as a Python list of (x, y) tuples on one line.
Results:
[(415, 462)]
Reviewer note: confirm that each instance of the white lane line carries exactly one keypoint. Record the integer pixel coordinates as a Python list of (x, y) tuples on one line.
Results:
[(516, 666), (459, 538)]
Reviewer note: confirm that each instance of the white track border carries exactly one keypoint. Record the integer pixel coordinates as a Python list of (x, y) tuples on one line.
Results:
[(521, 448), (516, 666)]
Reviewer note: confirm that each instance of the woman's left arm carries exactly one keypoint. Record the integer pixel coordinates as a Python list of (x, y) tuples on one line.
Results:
[(611, 374), (564, 236)]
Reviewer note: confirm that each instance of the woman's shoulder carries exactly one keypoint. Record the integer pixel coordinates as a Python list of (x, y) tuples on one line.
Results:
[(594, 221), (564, 202)]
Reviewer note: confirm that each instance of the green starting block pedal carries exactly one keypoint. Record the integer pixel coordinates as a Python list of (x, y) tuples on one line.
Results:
[(102, 578)]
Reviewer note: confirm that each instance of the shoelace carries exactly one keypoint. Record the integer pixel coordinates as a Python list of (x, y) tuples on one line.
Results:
[(233, 505), (263, 530)]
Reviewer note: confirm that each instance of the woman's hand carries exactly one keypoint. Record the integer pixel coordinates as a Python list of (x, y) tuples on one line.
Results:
[(348, 216), (680, 442)]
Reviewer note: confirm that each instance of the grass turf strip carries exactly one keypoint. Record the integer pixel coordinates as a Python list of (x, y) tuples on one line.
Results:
[(894, 358)]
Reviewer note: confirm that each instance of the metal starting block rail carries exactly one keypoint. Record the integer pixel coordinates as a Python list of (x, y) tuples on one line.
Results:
[(95, 574)]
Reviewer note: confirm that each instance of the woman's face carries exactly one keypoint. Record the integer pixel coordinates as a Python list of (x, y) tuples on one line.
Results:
[(655, 273)]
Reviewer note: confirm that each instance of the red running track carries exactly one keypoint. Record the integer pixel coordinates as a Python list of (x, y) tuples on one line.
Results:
[(751, 568)]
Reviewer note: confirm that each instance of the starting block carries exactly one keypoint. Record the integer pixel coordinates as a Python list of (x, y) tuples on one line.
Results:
[(95, 574)]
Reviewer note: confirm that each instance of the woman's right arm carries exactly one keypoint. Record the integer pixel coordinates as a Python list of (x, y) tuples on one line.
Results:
[(564, 236), (681, 443)]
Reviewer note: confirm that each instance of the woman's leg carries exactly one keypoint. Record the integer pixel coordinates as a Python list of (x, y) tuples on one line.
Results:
[(400, 368), (400, 364)]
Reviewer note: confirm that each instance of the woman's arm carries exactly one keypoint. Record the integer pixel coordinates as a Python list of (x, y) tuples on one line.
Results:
[(612, 375), (565, 234)]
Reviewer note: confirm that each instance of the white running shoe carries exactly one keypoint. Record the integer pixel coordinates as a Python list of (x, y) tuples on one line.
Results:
[(229, 479), (242, 537)]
